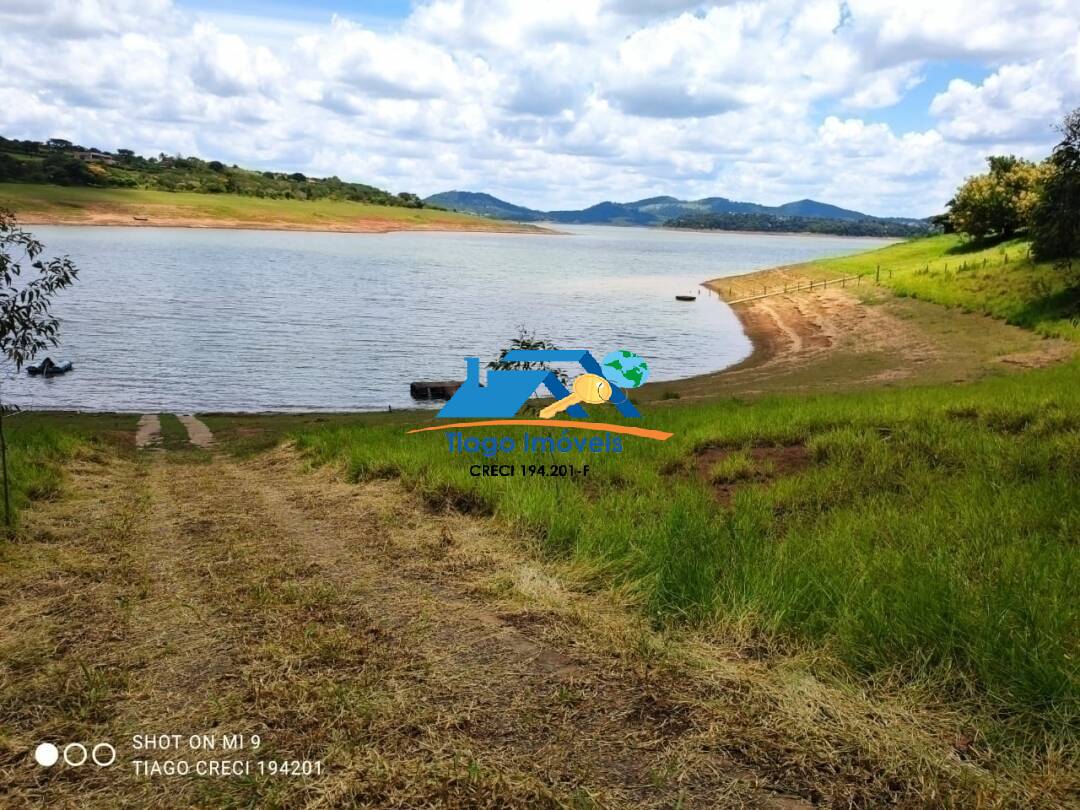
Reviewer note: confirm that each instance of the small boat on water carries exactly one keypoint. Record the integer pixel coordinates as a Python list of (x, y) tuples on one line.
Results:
[(49, 368), (686, 298)]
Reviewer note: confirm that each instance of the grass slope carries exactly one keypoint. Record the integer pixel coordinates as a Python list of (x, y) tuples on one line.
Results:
[(999, 280), (925, 536), (74, 204)]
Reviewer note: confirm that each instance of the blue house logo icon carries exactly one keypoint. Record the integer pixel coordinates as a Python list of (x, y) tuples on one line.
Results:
[(506, 391)]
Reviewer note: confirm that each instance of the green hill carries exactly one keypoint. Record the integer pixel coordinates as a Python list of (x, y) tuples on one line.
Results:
[(58, 162), (483, 205)]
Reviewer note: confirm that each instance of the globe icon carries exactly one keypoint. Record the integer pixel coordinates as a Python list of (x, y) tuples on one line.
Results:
[(625, 369)]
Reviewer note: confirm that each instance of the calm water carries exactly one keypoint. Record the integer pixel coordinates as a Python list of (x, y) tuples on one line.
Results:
[(203, 320)]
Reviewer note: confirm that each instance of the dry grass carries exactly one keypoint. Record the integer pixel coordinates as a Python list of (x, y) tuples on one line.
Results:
[(425, 656)]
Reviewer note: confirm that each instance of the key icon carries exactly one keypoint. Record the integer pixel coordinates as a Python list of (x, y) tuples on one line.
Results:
[(591, 389)]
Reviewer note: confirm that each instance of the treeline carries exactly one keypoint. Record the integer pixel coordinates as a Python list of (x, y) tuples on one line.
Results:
[(1016, 196), (60, 162), (778, 224)]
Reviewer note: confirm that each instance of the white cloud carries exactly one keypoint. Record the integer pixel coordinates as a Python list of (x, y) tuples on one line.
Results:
[(561, 103), (226, 66), (884, 88), (894, 33), (1015, 104)]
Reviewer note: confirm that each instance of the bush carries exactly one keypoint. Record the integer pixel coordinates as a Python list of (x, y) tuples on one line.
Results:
[(1055, 228)]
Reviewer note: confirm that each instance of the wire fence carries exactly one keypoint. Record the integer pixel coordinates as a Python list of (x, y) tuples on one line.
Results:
[(879, 272), (798, 286)]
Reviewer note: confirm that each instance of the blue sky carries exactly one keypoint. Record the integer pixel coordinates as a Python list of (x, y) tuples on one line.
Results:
[(869, 104), (381, 14), (912, 112)]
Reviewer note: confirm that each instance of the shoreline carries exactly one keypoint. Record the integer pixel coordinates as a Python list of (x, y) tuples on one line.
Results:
[(359, 227), (829, 339), (891, 239), (764, 333)]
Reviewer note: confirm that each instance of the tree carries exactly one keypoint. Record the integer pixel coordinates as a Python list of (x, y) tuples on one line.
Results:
[(26, 323), (530, 342), (67, 171), (10, 168), (1055, 223), (999, 202)]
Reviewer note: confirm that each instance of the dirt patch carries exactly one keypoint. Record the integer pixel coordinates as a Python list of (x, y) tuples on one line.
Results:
[(198, 433), (795, 329), (757, 465), (148, 431), (1051, 352)]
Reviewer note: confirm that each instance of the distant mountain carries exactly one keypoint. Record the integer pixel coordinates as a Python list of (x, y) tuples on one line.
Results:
[(485, 205), (605, 213), (812, 209), (661, 211)]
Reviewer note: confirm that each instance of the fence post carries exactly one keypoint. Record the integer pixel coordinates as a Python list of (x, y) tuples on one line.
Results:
[(877, 275)]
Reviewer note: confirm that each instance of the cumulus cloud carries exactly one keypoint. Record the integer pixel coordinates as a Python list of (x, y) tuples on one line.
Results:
[(226, 66), (885, 87), (1015, 104), (561, 103)]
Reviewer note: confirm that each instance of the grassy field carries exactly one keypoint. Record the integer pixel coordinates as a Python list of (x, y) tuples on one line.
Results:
[(39, 445), (924, 536), (34, 202)]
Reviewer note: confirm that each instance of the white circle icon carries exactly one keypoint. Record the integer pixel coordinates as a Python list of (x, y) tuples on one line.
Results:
[(46, 755), (67, 754), (111, 752)]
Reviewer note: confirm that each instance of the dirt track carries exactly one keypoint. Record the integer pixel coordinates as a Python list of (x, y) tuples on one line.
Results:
[(346, 625)]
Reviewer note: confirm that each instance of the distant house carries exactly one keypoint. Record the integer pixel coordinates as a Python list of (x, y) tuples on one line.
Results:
[(95, 157)]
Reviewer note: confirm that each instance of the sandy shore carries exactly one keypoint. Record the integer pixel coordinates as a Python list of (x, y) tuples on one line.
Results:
[(99, 218), (837, 339)]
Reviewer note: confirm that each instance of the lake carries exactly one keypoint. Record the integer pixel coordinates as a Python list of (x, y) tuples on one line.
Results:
[(188, 320)]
